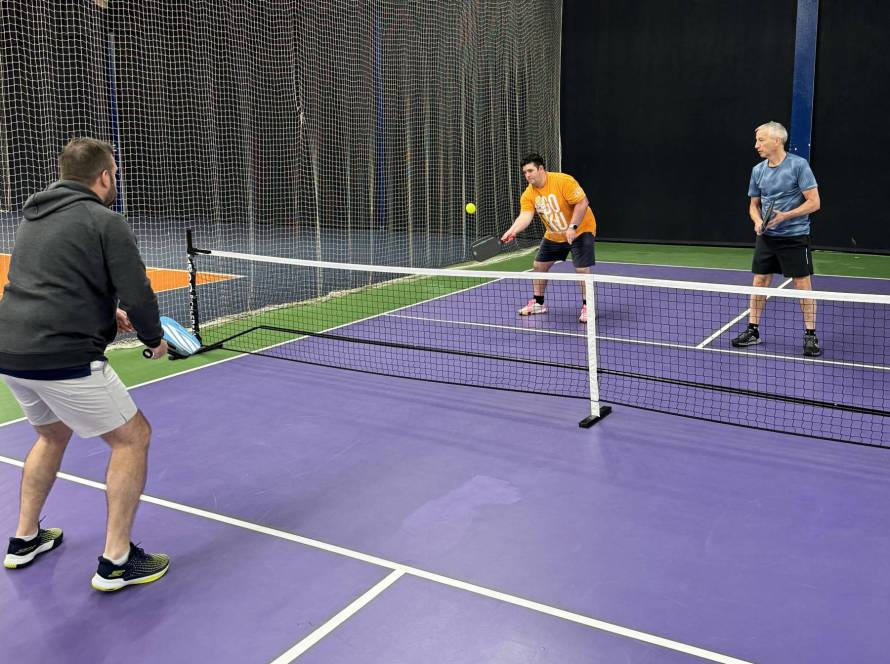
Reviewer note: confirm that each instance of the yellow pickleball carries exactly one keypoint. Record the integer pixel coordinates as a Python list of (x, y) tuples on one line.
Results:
[(470, 208)]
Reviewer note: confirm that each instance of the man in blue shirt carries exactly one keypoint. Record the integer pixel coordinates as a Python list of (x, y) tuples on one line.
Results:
[(783, 193)]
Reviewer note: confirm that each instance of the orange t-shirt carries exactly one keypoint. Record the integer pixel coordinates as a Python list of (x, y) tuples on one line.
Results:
[(555, 202)]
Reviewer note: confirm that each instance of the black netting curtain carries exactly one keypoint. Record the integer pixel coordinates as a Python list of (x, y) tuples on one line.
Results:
[(342, 130)]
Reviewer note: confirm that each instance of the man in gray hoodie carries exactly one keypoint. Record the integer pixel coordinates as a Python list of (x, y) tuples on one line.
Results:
[(75, 280)]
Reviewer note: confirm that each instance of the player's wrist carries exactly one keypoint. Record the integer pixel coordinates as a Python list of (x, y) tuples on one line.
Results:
[(573, 227)]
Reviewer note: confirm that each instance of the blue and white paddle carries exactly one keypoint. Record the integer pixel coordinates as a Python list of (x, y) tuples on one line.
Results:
[(180, 342)]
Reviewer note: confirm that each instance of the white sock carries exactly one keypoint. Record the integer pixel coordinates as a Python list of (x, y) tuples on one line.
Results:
[(27, 538), (120, 561)]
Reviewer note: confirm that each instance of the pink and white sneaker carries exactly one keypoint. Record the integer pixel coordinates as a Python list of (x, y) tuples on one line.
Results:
[(532, 308), (583, 317)]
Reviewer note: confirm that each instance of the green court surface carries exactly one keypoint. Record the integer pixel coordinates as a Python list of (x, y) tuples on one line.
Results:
[(826, 262), (134, 369)]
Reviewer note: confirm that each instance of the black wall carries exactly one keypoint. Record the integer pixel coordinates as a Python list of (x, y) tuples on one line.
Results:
[(660, 100), (850, 137)]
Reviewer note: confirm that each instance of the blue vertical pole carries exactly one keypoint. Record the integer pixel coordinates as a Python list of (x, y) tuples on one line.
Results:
[(804, 77), (120, 204)]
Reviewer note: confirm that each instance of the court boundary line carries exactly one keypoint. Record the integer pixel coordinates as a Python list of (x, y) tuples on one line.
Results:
[(735, 320), (239, 354), (434, 577), (416, 272), (525, 252), (18, 419), (338, 619), (742, 271), (666, 344), (699, 267), (492, 325)]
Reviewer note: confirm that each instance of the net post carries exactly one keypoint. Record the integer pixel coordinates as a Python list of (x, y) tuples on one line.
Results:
[(193, 284), (597, 411)]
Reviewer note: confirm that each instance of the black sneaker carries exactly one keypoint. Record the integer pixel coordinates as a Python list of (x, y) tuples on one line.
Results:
[(21, 553), (811, 346), (140, 567), (750, 337)]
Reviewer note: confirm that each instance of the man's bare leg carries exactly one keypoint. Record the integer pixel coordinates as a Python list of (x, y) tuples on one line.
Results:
[(39, 474), (758, 301), (536, 306), (125, 481), (807, 306), (540, 285)]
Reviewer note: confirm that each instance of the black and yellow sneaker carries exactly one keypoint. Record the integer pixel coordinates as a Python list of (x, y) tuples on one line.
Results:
[(140, 567), (21, 553)]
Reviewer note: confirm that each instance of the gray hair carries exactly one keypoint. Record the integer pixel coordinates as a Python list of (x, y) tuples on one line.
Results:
[(775, 130)]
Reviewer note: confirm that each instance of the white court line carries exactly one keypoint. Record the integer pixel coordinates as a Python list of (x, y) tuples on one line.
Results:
[(242, 354), (663, 344), (420, 573), (157, 380), (355, 322), (344, 615), (735, 320), (551, 276), (741, 271), (5, 424), (754, 355), (490, 325), (530, 250)]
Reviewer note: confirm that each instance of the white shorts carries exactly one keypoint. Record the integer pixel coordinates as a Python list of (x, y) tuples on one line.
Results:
[(91, 406)]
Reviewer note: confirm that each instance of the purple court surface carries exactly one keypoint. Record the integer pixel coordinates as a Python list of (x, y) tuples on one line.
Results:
[(328, 516)]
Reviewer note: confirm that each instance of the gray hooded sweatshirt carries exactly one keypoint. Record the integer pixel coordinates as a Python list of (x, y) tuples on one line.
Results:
[(73, 262)]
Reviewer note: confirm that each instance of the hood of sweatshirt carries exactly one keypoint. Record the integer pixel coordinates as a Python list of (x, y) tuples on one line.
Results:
[(55, 197)]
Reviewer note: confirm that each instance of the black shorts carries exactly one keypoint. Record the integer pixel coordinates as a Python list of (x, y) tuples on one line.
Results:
[(582, 251), (789, 255)]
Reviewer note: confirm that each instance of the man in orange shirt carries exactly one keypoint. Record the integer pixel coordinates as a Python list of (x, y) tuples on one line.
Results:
[(570, 226)]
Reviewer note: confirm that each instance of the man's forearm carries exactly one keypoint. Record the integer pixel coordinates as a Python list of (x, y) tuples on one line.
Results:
[(578, 213), (520, 224), (754, 213)]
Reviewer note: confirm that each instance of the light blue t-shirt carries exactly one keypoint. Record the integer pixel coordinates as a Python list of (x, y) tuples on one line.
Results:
[(782, 186)]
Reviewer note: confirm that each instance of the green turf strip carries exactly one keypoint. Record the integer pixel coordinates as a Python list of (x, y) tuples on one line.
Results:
[(324, 314), (852, 265), (316, 316), (331, 312), (826, 262), (130, 366)]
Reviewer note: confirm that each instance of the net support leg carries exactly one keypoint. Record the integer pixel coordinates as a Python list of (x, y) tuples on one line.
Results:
[(597, 411), (193, 284)]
